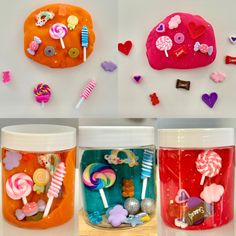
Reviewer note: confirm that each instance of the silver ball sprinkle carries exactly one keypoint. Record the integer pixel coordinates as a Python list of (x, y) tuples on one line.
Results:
[(132, 205), (148, 205)]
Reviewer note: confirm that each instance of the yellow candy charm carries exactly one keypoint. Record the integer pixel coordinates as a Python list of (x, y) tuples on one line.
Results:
[(41, 177), (72, 22)]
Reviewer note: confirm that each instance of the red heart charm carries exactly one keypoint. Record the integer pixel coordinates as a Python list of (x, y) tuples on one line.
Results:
[(125, 47), (196, 30)]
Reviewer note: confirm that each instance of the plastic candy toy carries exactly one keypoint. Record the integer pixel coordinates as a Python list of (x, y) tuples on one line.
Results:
[(181, 41), (43, 17), (147, 163), (58, 31), (125, 47), (6, 77), (72, 22), (19, 186), (109, 66), (41, 178), (42, 94), (212, 193), (154, 99), (137, 78), (208, 164), (230, 60), (232, 39), (210, 99), (183, 84), (34, 46), (97, 176), (217, 77), (86, 93), (84, 40), (55, 186)]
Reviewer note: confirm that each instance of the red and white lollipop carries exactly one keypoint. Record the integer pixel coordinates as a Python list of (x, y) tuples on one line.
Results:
[(58, 31), (208, 164), (19, 186), (164, 43)]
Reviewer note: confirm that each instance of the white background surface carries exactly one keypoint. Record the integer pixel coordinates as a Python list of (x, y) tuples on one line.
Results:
[(136, 20), (16, 98)]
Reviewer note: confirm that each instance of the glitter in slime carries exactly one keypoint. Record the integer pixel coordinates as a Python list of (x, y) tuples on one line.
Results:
[(97, 176)]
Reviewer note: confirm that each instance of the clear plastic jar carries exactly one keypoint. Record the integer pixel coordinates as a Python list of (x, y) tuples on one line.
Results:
[(117, 167), (196, 177), (38, 170)]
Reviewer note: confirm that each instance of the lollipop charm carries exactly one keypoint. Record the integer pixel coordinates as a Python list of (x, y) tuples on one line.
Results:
[(148, 157), (98, 176), (58, 31), (86, 93), (19, 186), (208, 164), (72, 21), (41, 178), (55, 186), (42, 93), (84, 40), (164, 43)]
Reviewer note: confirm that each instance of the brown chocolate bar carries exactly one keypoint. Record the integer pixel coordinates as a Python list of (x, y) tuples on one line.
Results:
[(195, 214), (183, 84)]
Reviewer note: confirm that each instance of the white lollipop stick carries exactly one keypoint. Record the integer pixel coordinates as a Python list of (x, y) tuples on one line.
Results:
[(48, 207), (24, 200), (85, 56), (86, 93), (144, 188), (202, 179), (104, 200), (62, 43), (166, 52)]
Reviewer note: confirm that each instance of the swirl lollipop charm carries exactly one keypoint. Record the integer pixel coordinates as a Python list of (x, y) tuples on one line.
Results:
[(164, 43), (42, 93), (41, 178), (208, 164), (55, 186), (58, 31), (97, 176), (19, 186)]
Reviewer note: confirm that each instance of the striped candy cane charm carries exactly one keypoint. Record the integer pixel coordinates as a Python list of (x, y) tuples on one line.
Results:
[(86, 93), (148, 157)]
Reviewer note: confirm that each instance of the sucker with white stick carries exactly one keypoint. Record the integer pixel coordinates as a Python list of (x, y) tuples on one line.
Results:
[(148, 157), (55, 186), (84, 41), (86, 93)]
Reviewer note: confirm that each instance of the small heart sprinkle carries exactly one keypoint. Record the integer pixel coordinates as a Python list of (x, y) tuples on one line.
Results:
[(217, 77), (232, 39), (161, 28), (137, 78)]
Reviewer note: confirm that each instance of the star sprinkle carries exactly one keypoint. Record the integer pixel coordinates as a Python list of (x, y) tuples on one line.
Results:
[(133, 221)]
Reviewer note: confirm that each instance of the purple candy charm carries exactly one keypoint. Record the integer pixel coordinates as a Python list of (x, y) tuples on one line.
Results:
[(137, 78), (109, 66), (210, 99), (161, 28), (117, 215)]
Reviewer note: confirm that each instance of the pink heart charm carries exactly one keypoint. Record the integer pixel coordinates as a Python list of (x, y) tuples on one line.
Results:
[(182, 196)]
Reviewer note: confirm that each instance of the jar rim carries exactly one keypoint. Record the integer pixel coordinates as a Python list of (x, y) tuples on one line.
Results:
[(196, 137), (38, 137), (116, 136)]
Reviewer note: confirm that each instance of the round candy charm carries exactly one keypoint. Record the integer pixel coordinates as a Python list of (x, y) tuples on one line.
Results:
[(132, 205), (148, 205)]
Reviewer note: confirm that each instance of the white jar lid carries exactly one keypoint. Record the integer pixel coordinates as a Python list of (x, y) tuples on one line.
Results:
[(196, 138), (38, 137), (116, 136)]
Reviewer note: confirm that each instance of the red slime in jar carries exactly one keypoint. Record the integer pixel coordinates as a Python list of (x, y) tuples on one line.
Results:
[(178, 171)]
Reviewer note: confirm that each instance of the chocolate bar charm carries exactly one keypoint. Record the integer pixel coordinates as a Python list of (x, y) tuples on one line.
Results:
[(230, 60), (180, 52), (195, 214), (183, 84)]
